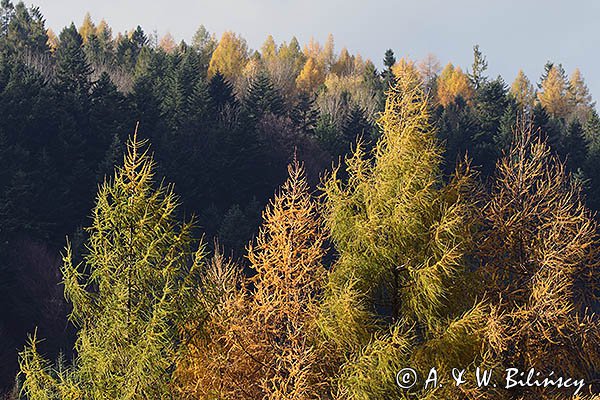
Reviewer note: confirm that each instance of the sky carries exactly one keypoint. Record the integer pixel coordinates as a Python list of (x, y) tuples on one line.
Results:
[(513, 34)]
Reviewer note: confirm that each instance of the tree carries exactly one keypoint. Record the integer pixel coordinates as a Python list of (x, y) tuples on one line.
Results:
[(579, 96), (402, 238), (554, 93), (479, 67), (73, 70), (389, 60), (311, 76), (167, 43), (540, 265), (230, 56), (451, 84), (523, 92), (87, 27), (429, 68), (130, 298), (263, 343), (261, 98), (405, 66)]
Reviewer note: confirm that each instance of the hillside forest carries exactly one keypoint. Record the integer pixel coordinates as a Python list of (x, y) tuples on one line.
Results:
[(203, 220)]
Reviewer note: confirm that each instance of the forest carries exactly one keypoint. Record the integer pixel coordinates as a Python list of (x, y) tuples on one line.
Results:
[(208, 221)]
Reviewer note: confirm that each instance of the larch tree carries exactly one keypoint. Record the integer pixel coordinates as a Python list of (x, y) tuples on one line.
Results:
[(311, 77), (523, 91), (540, 259), (229, 57), (131, 296), (554, 93), (580, 97), (262, 343), (452, 83), (398, 293), (87, 27), (167, 43)]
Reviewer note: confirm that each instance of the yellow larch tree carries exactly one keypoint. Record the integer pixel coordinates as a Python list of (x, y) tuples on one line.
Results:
[(554, 93), (230, 56), (311, 77), (87, 27), (541, 264), (453, 82), (264, 342), (523, 91)]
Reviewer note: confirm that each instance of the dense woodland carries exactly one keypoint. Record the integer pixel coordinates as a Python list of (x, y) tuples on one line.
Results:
[(327, 225)]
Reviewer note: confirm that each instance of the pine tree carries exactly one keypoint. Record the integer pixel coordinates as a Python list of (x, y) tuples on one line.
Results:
[(131, 297)]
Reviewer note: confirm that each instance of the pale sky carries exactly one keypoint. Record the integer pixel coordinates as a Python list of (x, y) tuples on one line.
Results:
[(512, 34)]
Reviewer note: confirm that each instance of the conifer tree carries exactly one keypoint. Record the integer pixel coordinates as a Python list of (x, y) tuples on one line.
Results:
[(523, 91), (262, 343), (261, 98), (479, 67), (554, 93), (541, 260), (451, 84), (402, 237), (389, 60), (130, 297)]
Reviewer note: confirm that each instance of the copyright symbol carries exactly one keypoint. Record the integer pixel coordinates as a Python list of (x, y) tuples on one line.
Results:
[(406, 378)]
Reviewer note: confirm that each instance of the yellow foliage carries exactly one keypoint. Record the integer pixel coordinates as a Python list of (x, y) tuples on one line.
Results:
[(541, 266), (263, 344), (404, 66), (167, 43), (554, 93), (87, 27), (452, 83), (523, 91), (230, 56), (311, 77)]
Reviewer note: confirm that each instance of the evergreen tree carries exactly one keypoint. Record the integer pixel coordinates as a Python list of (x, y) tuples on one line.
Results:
[(261, 98), (479, 67), (73, 71), (389, 60)]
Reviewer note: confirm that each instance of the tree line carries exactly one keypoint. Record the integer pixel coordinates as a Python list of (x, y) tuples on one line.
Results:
[(410, 253)]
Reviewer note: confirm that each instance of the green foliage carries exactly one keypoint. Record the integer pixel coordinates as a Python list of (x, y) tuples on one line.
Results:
[(402, 238), (130, 297)]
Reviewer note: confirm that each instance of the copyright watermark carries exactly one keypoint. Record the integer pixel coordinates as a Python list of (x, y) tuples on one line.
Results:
[(407, 378)]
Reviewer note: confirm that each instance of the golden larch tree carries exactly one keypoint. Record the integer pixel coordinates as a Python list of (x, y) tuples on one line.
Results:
[(541, 266), (230, 56), (452, 83), (263, 343)]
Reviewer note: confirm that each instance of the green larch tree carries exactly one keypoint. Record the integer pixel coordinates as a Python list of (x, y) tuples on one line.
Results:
[(397, 294), (131, 296)]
